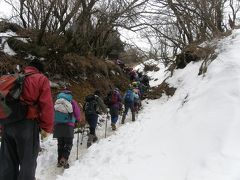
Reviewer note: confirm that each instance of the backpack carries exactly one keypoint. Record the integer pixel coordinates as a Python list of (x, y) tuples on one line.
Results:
[(129, 97), (12, 106), (112, 98), (107, 99), (63, 108), (91, 105)]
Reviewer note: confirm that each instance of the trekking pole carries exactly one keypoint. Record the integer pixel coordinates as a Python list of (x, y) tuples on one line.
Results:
[(106, 125), (78, 142), (83, 130)]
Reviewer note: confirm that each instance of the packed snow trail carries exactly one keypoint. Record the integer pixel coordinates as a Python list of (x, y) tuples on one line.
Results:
[(193, 135), (47, 160)]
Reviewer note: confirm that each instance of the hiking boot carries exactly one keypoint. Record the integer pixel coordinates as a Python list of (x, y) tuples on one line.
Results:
[(95, 138), (90, 140), (59, 164), (62, 161), (113, 127), (89, 144), (66, 165)]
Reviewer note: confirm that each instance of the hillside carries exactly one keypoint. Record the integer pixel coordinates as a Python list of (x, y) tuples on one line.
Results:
[(82, 74), (193, 135)]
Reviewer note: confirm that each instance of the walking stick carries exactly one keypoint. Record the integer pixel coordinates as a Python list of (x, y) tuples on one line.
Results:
[(106, 125), (78, 142), (83, 130)]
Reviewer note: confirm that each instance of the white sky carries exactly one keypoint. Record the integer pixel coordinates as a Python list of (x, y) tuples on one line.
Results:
[(193, 135), (5, 9)]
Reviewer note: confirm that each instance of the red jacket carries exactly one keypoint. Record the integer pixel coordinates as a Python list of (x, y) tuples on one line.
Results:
[(37, 92)]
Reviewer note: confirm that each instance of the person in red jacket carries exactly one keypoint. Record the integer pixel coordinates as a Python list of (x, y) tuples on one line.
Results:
[(20, 141)]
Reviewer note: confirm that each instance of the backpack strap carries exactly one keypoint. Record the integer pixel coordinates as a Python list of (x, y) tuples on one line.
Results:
[(21, 98)]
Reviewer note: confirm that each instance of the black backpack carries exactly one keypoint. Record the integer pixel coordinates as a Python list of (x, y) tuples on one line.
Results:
[(90, 106), (108, 99)]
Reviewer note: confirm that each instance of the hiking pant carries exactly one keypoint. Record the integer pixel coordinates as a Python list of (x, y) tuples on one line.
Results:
[(128, 106), (114, 119), (92, 121), (19, 151), (114, 111), (64, 147)]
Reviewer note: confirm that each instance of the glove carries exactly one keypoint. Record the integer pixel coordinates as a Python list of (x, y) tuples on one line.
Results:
[(44, 134), (77, 124), (82, 123), (108, 110)]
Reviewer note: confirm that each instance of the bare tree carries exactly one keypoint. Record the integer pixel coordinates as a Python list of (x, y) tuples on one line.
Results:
[(178, 23), (235, 7), (98, 22), (93, 24)]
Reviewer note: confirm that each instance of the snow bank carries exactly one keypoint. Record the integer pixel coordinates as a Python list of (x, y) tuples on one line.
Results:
[(193, 135)]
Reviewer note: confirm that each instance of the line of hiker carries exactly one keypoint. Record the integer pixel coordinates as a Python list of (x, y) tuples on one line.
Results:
[(26, 104)]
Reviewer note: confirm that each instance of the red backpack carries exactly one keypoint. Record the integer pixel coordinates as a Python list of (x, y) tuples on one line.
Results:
[(12, 107)]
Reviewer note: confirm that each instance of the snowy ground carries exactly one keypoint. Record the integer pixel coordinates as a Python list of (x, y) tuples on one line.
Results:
[(193, 135)]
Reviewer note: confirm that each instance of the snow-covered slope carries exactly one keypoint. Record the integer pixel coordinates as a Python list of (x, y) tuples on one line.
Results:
[(194, 135)]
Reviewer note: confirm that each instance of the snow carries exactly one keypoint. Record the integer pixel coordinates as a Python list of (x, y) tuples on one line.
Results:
[(4, 44), (193, 135), (156, 76)]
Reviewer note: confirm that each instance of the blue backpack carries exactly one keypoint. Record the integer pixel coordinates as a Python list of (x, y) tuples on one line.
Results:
[(129, 97), (63, 108)]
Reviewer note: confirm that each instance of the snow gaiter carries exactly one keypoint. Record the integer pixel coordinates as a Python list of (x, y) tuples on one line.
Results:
[(123, 118)]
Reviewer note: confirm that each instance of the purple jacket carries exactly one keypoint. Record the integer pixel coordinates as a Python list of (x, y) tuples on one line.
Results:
[(76, 112)]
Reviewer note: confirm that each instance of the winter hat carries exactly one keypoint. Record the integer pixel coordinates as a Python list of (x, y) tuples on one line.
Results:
[(134, 84), (97, 92), (37, 64)]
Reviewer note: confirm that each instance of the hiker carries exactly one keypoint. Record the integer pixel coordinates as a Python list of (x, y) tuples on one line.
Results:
[(67, 115), (20, 141), (145, 80), (129, 98), (133, 75), (137, 99), (113, 101), (92, 107), (120, 63)]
